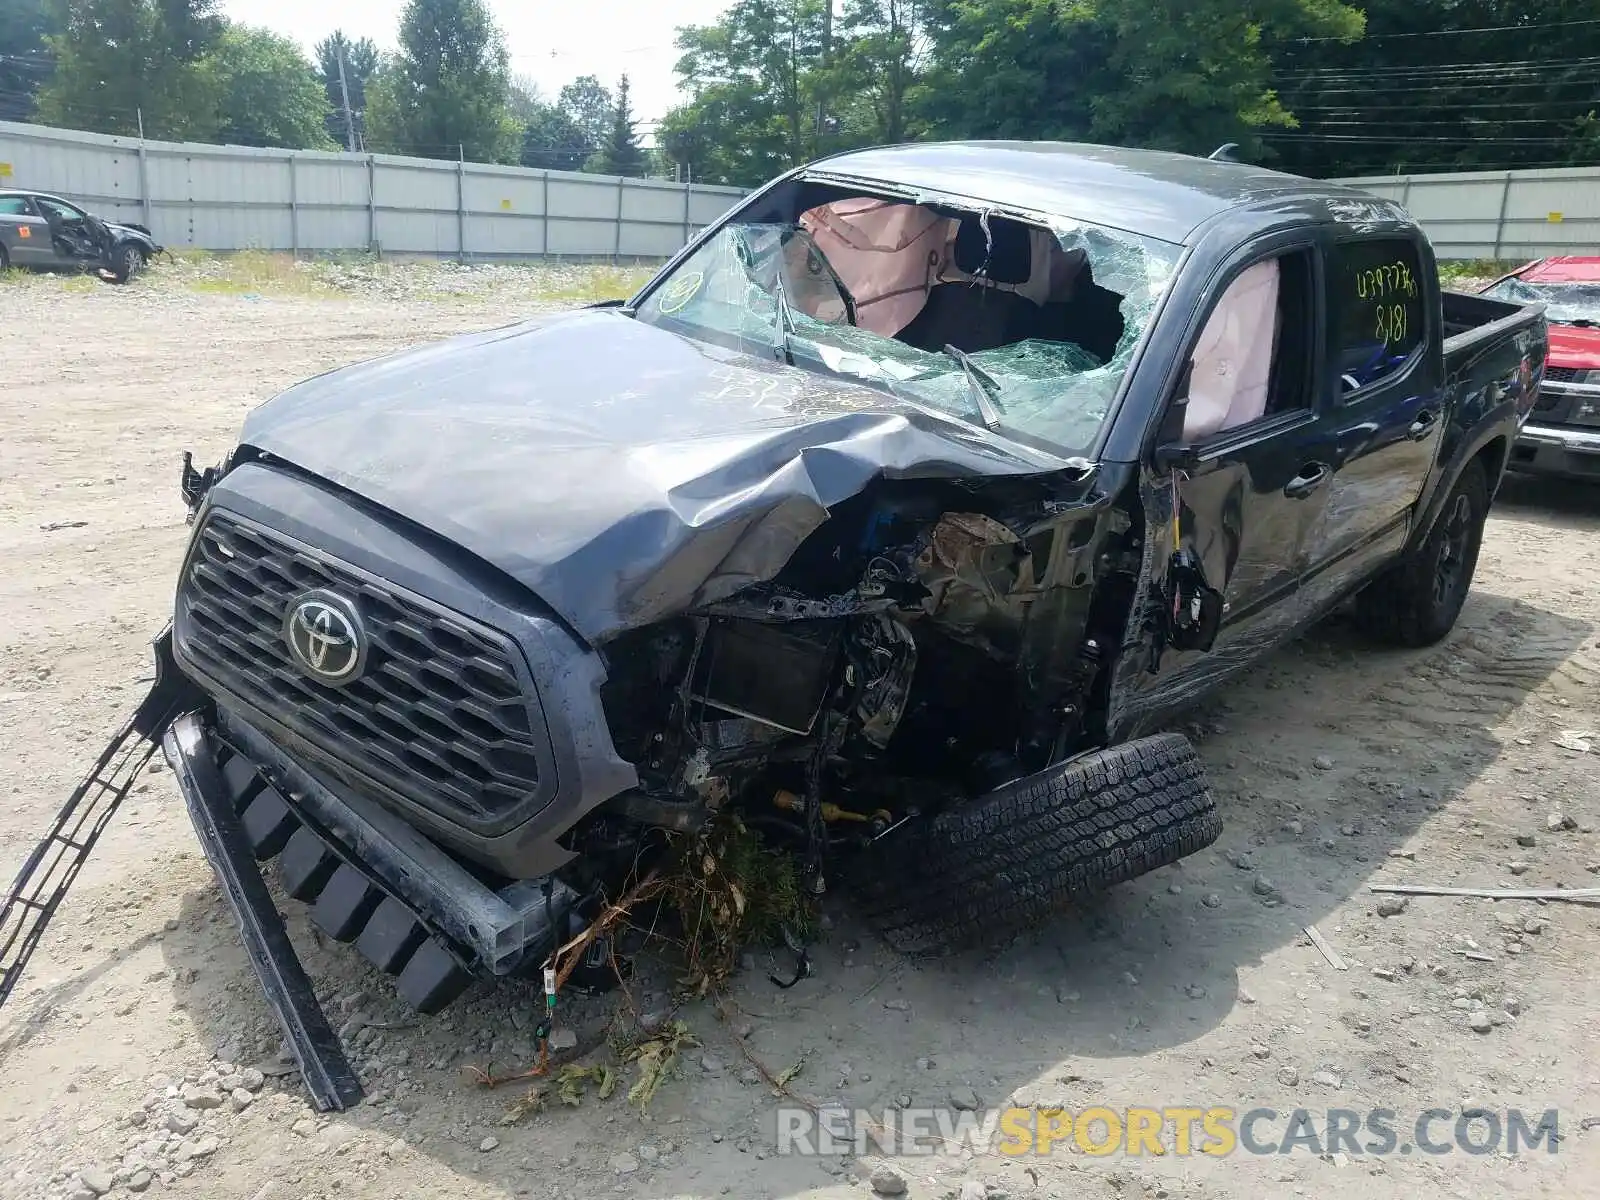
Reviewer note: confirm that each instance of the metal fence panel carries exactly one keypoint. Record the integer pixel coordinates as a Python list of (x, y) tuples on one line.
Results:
[(237, 197), (1500, 214)]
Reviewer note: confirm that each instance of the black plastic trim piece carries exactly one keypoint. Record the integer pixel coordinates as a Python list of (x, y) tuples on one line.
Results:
[(494, 930), (327, 1072)]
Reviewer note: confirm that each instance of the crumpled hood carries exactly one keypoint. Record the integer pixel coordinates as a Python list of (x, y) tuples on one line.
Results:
[(129, 231), (620, 472)]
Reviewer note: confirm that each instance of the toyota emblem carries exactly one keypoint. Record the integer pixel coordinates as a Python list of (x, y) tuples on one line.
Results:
[(325, 638)]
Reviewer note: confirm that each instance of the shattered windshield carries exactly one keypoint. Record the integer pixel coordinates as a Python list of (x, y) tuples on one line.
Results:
[(1566, 303), (983, 317)]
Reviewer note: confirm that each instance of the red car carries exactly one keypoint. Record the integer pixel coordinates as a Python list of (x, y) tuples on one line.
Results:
[(1562, 435)]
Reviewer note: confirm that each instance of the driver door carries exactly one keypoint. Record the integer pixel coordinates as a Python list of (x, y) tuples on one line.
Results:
[(69, 242), (1237, 456)]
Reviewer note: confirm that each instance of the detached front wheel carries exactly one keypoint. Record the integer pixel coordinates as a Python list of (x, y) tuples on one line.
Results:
[(993, 866)]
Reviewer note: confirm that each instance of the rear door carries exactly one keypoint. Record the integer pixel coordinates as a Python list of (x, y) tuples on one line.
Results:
[(24, 233), (1382, 401)]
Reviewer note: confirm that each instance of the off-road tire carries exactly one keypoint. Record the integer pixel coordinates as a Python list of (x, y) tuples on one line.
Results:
[(1416, 602), (127, 260), (991, 867)]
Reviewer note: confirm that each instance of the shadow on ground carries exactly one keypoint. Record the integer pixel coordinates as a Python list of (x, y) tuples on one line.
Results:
[(1554, 502)]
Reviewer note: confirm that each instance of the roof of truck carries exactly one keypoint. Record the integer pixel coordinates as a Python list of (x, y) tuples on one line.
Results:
[(1153, 192)]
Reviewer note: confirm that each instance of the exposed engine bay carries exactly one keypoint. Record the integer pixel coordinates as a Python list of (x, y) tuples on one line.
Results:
[(909, 655)]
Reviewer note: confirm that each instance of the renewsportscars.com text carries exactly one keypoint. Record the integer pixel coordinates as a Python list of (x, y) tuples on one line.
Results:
[(1180, 1131)]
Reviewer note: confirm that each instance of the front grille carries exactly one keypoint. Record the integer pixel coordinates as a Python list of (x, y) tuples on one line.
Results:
[(440, 715), (1563, 374)]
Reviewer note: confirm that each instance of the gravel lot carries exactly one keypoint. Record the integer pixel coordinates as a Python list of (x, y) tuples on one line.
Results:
[(138, 1056)]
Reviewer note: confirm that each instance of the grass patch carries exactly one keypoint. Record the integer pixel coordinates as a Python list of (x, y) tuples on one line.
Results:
[(1468, 273), (71, 281), (275, 273), (248, 272), (590, 285)]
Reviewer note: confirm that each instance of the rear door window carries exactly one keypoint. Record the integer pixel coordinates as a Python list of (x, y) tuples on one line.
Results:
[(15, 206), (1377, 321)]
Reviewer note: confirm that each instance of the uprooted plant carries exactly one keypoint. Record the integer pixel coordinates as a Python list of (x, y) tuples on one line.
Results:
[(715, 892), (728, 890)]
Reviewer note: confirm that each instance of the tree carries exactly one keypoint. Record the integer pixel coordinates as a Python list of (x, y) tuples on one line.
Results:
[(25, 61), (267, 94), (361, 61), (621, 153), (552, 140), (526, 98), (1192, 74), (753, 79), (868, 74), (447, 89), (1183, 75), (116, 59), (589, 105), (1009, 69)]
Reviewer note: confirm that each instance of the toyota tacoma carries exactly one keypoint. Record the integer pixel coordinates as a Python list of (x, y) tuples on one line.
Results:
[(897, 512)]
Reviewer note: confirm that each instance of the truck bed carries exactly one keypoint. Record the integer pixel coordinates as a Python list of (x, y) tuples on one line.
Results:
[(1472, 321)]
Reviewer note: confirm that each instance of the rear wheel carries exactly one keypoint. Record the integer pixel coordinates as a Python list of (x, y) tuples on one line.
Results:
[(993, 866), (5, 260), (1416, 602)]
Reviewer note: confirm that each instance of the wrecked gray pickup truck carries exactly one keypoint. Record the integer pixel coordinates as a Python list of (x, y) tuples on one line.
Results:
[(896, 512)]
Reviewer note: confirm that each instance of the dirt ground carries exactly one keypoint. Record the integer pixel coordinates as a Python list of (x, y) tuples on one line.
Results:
[(1336, 766)]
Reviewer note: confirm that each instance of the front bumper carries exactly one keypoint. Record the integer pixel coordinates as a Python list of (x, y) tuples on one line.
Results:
[(412, 911), (329, 1077), (1563, 451)]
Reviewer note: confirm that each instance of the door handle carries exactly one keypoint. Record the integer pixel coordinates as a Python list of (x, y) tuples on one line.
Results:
[(1311, 477), (1423, 425)]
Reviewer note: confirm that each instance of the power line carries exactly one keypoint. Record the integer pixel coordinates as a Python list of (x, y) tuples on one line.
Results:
[(1435, 88), (1478, 67), (1427, 33), (1407, 139)]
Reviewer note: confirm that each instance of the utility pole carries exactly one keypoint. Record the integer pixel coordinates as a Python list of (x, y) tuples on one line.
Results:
[(344, 90), (827, 54)]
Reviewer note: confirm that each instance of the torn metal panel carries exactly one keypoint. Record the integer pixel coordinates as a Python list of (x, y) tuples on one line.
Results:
[(1234, 560)]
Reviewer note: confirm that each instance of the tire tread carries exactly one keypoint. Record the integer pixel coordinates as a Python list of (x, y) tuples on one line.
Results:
[(994, 866)]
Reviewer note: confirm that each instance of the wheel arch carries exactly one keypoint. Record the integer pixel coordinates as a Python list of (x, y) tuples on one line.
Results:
[(1490, 449)]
